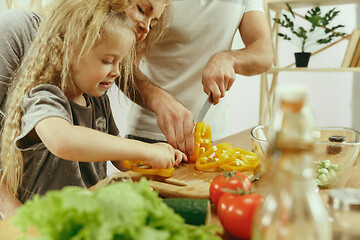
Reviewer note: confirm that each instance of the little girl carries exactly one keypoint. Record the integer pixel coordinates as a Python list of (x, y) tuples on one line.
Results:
[(59, 128)]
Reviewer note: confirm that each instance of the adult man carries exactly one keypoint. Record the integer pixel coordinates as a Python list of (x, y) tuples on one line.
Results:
[(194, 59)]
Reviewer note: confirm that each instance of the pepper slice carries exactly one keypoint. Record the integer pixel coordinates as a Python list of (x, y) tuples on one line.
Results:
[(245, 161), (202, 139), (216, 156), (163, 172)]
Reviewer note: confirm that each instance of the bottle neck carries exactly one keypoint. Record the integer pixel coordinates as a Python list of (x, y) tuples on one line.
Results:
[(291, 147)]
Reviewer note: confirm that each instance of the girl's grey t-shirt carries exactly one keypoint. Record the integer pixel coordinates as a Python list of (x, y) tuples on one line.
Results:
[(43, 171)]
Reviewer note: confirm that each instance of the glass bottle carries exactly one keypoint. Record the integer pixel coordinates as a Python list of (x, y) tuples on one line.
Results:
[(292, 209)]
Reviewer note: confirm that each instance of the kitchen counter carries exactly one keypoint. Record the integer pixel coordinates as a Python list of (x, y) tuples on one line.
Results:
[(241, 139)]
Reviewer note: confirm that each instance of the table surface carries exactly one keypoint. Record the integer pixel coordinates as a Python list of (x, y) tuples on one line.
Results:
[(241, 139)]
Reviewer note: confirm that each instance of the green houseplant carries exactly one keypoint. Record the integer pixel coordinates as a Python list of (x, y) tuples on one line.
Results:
[(306, 36)]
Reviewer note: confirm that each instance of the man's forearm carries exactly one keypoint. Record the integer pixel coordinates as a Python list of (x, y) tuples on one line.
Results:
[(257, 56), (142, 83), (254, 59), (147, 94)]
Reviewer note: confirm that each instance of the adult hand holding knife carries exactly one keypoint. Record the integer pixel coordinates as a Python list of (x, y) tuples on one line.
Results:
[(216, 81), (217, 78)]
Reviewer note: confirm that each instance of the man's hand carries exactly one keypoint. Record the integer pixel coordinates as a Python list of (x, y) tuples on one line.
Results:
[(174, 120), (219, 75), (256, 58), (177, 123)]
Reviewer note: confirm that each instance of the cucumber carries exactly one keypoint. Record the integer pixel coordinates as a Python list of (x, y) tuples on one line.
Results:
[(194, 211)]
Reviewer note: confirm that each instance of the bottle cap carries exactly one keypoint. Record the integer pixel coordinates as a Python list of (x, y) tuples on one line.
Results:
[(346, 199)]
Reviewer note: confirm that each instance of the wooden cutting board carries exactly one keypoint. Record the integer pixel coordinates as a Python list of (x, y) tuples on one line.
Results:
[(186, 182)]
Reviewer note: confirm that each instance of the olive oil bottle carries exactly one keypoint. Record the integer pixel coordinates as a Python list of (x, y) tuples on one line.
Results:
[(292, 209)]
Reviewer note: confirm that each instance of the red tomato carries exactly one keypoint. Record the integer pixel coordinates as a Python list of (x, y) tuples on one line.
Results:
[(232, 180), (236, 213)]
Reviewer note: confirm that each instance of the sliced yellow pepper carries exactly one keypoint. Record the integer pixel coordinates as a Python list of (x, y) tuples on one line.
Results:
[(202, 140), (222, 155), (245, 161), (216, 156), (163, 172)]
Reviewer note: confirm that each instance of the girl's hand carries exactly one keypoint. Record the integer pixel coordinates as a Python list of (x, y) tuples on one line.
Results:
[(163, 155)]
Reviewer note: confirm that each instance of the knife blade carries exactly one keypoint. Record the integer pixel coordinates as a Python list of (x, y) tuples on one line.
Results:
[(204, 109)]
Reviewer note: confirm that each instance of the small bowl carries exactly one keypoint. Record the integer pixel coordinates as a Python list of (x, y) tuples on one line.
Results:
[(337, 146)]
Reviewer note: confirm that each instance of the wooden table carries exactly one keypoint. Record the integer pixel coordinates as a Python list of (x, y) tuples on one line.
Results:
[(241, 139)]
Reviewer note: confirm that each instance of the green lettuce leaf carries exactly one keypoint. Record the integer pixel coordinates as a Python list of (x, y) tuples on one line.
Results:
[(124, 210)]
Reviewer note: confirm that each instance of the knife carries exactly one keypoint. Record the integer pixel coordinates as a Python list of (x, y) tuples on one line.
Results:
[(205, 108)]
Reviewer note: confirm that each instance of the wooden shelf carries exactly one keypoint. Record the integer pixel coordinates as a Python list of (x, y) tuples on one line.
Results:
[(281, 4), (269, 79), (309, 69)]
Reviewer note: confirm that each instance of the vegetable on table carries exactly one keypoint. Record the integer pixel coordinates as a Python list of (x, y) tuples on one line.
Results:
[(194, 211), (202, 140), (245, 161), (236, 212), (224, 156), (228, 180), (146, 170), (121, 210), (206, 157), (215, 157)]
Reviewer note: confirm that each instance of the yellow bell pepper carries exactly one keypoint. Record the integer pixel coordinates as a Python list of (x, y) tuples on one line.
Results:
[(216, 156), (139, 167), (245, 161), (220, 156), (202, 139)]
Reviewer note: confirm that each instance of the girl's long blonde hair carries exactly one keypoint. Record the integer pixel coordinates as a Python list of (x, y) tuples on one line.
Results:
[(70, 27)]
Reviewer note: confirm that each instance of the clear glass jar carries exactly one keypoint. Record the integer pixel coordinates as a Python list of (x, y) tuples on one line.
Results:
[(344, 205)]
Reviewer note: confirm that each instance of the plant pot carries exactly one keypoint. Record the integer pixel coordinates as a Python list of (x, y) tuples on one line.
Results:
[(302, 59)]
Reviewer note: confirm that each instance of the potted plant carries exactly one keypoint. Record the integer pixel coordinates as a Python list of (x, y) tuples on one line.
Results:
[(314, 21)]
